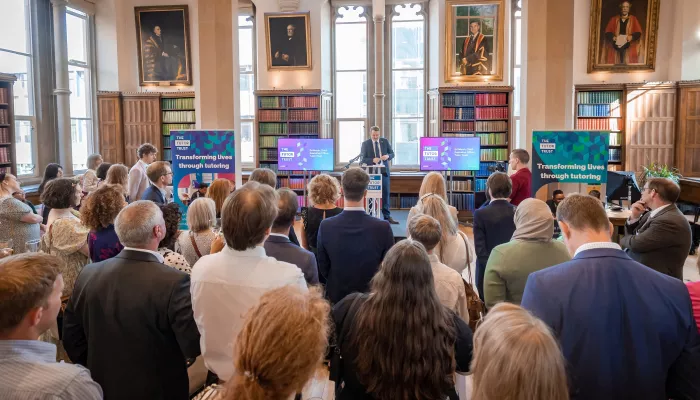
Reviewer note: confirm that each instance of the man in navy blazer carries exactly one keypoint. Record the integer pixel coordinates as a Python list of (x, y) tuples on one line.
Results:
[(161, 176), (352, 245), (378, 151), (626, 330), (278, 244), (493, 224)]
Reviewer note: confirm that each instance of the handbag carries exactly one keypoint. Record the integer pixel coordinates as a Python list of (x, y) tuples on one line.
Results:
[(336, 367), (475, 306)]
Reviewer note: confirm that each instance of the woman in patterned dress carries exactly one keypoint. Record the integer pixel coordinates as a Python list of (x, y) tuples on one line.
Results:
[(17, 221), (172, 217)]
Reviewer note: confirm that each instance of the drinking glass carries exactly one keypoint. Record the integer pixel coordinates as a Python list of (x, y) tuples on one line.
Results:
[(216, 226), (31, 246), (6, 247)]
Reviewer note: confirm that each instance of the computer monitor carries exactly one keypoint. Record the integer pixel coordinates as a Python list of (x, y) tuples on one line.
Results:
[(620, 185)]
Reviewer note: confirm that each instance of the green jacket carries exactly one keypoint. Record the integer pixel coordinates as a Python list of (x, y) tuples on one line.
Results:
[(511, 263)]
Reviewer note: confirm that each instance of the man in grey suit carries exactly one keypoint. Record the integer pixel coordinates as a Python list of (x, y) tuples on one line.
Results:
[(657, 234), (278, 244)]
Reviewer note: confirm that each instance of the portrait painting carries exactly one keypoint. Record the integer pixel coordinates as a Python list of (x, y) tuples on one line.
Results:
[(474, 40), (163, 45), (623, 35), (288, 41)]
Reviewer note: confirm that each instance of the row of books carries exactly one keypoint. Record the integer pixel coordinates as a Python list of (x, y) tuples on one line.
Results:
[(472, 99), (462, 201), (175, 127), (272, 115), (303, 115), (5, 135), (402, 201), (178, 116), (492, 113), (457, 113), (5, 156), (288, 102), (458, 126), (613, 124), (615, 138), (267, 154), (6, 170), (268, 141), (494, 154), (292, 183), (462, 173), (614, 154), (599, 97), (4, 96), (166, 141), (480, 185), (485, 168), (492, 139), (182, 103), (303, 128), (167, 154), (489, 126), (272, 128), (4, 116), (598, 110), (491, 99), (461, 186)]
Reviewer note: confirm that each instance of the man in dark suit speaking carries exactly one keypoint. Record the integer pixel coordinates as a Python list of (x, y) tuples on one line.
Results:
[(378, 151)]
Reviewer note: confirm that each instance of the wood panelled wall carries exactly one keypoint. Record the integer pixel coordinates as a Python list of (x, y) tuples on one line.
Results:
[(651, 125), (141, 123), (688, 139), (109, 108)]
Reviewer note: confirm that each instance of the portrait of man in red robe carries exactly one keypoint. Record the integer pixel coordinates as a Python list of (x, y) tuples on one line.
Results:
[(622, 37)]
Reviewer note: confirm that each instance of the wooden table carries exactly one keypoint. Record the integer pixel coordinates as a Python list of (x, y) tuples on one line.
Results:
[(618, 219)]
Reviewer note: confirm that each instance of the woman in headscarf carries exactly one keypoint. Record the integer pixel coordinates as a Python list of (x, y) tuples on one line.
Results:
[(530, 249)]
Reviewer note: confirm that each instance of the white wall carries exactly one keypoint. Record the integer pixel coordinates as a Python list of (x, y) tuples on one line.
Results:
[(308, 79), (117, 54)]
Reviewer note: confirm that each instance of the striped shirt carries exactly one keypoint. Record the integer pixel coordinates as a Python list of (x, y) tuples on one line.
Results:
[(29, 371)]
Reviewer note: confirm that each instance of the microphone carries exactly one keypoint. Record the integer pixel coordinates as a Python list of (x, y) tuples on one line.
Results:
[(352, 161)]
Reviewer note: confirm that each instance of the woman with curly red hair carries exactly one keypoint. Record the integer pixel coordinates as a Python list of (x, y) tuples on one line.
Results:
[(98, 214)]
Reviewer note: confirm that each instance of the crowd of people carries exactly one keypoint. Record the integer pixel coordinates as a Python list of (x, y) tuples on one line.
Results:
[(130, 303)]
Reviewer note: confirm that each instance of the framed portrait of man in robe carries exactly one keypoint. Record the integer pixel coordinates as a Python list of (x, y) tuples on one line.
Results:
[(163, 42), (474, 40), (288, 41), (623, 35)]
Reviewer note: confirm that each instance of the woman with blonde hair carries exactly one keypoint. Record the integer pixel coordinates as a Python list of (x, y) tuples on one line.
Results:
[(90, 177), (433, 183), (196, 243), (118, 174), (454, 249), (282, 343), (219, 191), (324, 192), (516, 357)]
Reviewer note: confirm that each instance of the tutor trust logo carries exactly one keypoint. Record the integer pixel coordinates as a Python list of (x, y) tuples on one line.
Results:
[(182, 143), (547, 147)]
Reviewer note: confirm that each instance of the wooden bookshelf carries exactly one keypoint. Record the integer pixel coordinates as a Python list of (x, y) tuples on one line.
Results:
[(7, 125), (178, 113), (603, 107), (475, 111), (303, 114)]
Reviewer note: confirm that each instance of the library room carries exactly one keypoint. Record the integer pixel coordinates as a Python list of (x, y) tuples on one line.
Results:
[(247, 184)]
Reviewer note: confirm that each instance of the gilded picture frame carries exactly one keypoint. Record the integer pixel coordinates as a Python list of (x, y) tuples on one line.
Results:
[(474, 40), (163, 45), (288, 41), (609, 50)]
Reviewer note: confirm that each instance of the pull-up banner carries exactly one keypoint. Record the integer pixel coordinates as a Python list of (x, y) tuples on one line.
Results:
[(569, 157)]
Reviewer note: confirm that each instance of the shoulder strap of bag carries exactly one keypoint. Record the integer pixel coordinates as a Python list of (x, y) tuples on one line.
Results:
[(194, 244)]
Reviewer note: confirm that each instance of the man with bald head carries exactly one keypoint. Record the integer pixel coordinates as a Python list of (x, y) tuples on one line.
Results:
[(129, 320), (227, 284)]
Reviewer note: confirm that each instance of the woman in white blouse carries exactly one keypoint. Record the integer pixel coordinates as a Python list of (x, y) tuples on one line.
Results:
[(454, 249), (90, 177), (196, 242)]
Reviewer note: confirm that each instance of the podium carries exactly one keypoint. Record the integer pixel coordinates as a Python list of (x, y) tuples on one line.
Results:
[(373, 201)]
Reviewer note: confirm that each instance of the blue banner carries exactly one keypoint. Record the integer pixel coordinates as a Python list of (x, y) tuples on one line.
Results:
[(569, 156), (200, 156)]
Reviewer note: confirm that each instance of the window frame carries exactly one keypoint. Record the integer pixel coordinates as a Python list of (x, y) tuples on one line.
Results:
[(31, 79), (369, 70), (389, 77), (89, 67), (250, 16), (516, 125)]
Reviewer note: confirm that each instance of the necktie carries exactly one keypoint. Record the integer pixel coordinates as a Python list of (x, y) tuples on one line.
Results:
[(377, 153)]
